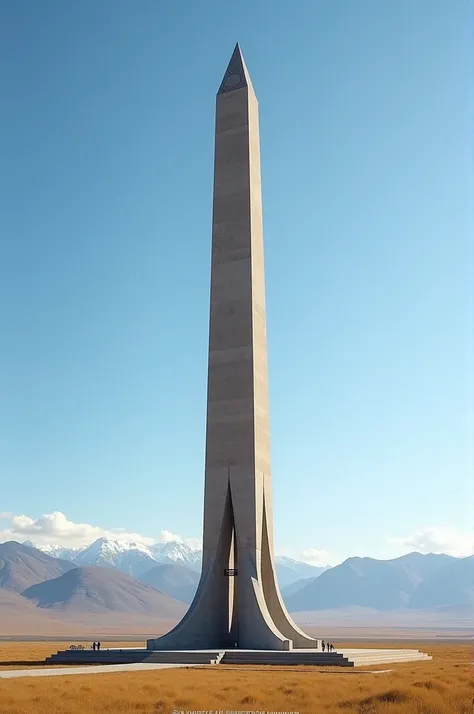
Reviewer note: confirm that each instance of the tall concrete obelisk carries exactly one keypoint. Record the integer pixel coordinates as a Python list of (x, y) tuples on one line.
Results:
[(238, 602)]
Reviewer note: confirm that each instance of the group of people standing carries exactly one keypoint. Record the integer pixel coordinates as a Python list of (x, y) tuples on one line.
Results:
[(96, 645), (327, 646)]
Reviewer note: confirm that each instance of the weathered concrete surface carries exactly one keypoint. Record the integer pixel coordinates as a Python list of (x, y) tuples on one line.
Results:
[(90, 669), (247, 609)]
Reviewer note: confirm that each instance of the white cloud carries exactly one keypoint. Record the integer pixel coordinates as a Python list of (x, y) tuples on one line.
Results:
[(53, 526), (194, 543), (434, 539), (56, 529), (313, 556), (167, 536)]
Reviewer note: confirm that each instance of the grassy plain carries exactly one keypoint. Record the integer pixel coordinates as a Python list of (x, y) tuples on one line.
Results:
[(441, 686)]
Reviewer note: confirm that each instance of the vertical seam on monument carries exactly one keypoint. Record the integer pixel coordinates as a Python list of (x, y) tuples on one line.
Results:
[(249, 163)]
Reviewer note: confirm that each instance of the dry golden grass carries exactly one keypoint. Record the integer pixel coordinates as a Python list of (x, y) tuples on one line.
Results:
[(441, 686)]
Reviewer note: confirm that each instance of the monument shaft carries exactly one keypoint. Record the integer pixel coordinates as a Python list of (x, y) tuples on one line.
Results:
[(242, 607)]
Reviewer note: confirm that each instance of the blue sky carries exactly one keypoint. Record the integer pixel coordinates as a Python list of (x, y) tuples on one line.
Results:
[(106, 187)]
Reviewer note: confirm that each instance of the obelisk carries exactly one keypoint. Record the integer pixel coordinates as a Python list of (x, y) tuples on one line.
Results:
[(238, 602)]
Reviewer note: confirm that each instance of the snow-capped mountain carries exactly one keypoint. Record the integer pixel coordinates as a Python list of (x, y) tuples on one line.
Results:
[(131, 558), (56, 551), (135, 559), (179, 553)]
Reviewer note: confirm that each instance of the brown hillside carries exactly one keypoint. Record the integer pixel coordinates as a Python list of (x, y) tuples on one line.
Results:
[(22, 566), (18, 615), (102, 590)]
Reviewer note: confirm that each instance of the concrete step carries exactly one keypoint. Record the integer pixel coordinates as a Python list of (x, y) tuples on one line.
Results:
[(291, 658), (157, 657), (371, 656), (383, 655), (131, 656)]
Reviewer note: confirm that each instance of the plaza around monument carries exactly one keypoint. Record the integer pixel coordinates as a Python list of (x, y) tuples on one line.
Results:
[(238, 614)]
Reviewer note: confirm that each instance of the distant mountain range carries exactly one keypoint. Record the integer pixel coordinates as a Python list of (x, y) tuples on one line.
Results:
[(411, 581), (131, 558), (42, 591), (290, 571), (136, 559), (175, 580), (60, 598)]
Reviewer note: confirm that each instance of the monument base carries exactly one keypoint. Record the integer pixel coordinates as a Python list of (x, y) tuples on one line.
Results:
[(317, 658)]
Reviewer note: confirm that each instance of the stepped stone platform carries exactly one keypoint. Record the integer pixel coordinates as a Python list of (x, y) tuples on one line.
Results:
[(341, 658)]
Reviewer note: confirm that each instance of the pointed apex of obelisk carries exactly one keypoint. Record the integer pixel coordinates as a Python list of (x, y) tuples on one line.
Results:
[(236, 75)]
